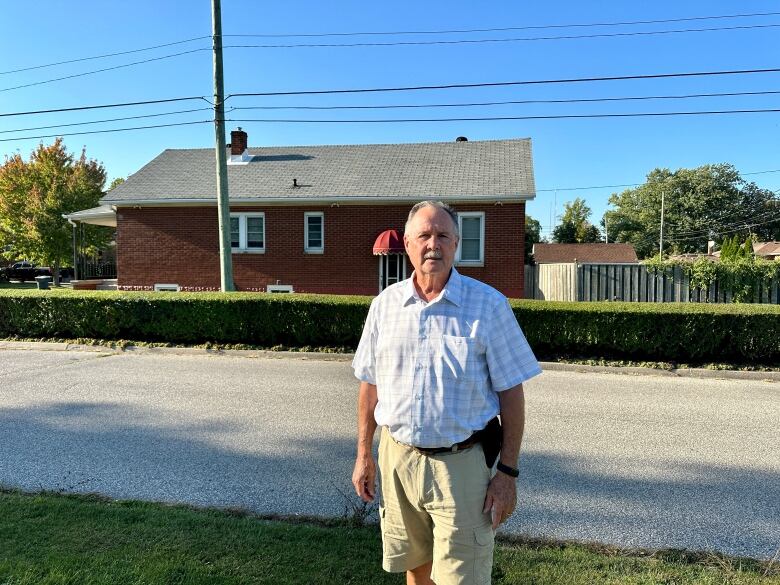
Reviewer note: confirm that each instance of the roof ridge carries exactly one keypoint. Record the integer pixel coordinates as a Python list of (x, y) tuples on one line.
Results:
[(524, 139)]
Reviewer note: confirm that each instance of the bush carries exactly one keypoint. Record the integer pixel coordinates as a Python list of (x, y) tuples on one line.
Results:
[(677, 332), (684, 332), (186, 318)]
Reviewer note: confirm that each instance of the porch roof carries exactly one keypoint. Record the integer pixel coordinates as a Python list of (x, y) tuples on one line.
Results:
[(103, 215)]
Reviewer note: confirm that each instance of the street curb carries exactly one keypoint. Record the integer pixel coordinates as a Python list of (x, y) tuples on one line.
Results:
[(347, 357)]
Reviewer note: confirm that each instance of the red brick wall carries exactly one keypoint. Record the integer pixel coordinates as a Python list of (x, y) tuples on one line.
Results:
[(179, 245)]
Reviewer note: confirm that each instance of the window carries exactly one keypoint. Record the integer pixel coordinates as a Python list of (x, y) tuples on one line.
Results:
[(314, 232), (166, 288), (247, 232), (279, 288), (471, 248)]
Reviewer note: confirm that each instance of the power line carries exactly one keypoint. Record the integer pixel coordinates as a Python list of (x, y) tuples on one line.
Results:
[(105, 120), (505, 40), (509, 83), (395, 33), (108, 131), (505, 118), (633, 184), (44, 82), (509, 28), (515, 102), (104, 56), (101, 106)]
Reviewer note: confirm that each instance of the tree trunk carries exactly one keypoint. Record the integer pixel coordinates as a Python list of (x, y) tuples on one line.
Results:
[(55, 274)]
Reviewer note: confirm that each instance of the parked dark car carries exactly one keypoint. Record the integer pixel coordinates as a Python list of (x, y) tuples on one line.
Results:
[(23, 271)]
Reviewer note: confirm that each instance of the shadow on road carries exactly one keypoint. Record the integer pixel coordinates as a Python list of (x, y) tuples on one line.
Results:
[(127, 453)]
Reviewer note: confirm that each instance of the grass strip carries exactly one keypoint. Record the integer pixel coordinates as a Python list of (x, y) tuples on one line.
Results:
[(55, 539)]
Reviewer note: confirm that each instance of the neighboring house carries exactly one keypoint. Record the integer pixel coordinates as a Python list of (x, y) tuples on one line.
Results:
[(711, 255), (559, 268), (320, 219), (584, 254), (768, 250)]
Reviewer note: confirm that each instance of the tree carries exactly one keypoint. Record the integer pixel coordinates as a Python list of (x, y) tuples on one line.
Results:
[(700, 204), (116, 182), (533, 235), (35, 194), (575, 227)]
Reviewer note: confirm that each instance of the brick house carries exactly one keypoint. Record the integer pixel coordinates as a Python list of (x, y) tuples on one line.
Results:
[(319, 219)]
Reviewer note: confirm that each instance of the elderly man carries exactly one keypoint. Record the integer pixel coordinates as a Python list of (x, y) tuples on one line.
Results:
[(441, 355)]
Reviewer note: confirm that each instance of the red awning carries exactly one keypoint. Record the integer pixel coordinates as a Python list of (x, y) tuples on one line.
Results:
[(388, 242)]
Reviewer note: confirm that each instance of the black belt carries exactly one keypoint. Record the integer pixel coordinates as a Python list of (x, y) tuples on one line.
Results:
[(470, 442)]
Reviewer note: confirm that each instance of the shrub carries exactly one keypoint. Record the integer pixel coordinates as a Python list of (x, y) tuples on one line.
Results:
[(678, 332)]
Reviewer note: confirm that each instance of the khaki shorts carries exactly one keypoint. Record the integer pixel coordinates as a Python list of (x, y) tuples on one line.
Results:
[(432, 510)]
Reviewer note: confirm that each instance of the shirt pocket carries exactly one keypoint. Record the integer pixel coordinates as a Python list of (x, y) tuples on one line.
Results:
[(459, 358)]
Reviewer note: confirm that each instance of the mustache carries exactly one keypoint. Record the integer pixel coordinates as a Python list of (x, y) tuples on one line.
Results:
[(435, 255)]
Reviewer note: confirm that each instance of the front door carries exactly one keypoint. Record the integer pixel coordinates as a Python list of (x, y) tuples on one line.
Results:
[(392, 269)]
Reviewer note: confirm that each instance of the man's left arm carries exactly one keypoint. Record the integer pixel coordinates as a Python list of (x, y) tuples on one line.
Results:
[(501, 496)]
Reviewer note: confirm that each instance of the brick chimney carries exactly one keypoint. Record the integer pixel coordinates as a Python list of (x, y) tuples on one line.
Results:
[(238, 142)]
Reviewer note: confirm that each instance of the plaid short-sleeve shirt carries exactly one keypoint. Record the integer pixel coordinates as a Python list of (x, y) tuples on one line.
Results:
[(439, 365)]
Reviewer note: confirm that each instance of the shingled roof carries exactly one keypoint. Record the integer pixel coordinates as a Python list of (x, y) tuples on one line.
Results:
[(767, 249), (584, 254), (459, 171)]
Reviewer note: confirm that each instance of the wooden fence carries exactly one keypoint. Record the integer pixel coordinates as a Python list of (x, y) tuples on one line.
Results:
[(628, 282)]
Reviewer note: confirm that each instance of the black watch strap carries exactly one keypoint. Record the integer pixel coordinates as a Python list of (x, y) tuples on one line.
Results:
[(511, 471)]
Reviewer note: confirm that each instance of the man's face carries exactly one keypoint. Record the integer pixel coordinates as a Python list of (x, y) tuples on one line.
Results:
[(431, 242)]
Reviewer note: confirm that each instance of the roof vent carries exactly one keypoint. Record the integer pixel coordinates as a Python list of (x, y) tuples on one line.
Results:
[(461, 139)]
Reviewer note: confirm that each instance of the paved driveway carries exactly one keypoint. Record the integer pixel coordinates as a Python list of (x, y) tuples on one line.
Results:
[(632, 460)]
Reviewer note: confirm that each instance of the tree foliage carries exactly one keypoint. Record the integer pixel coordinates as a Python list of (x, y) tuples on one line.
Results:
[(575, 227), (708, 202), (533, 235), (35, 194)]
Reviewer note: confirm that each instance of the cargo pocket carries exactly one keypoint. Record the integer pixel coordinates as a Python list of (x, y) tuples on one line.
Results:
[(466, 558), (394, 545), (483, 554)]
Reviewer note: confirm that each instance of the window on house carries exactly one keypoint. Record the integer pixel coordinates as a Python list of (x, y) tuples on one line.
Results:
[(235, 238), (247, 232), (314, 232), (471, 248)]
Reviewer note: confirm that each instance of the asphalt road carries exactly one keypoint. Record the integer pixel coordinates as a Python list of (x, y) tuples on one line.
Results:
[(631, 460)]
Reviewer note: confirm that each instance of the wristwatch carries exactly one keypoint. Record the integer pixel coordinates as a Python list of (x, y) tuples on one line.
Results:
[(510, 471)]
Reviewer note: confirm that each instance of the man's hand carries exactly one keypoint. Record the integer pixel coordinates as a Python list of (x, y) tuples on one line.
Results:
[(364, 477), (501, 498)]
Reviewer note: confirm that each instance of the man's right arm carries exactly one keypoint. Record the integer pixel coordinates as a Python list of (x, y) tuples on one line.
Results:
[(364, 474)]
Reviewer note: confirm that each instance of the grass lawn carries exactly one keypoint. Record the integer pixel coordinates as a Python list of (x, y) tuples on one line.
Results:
[(17, 285), (48, 539)]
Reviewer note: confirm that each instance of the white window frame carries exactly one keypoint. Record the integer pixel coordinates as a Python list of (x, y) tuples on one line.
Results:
[(481, 260), (279, 288), (243, 232), (306, 247), (159, 287)]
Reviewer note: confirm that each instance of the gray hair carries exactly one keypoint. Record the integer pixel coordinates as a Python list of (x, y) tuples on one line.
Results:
[(436, 205)]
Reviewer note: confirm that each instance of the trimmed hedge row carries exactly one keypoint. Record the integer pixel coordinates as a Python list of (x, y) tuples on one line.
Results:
[(671, 332)]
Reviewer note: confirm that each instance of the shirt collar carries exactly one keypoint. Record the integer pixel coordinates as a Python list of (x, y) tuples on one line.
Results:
[(452, 290)]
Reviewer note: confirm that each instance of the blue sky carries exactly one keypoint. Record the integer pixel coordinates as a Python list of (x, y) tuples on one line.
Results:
[(567, 153)]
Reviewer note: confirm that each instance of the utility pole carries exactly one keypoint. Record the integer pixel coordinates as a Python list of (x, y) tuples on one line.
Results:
[(661, 244), (223, 200), (606, 229)]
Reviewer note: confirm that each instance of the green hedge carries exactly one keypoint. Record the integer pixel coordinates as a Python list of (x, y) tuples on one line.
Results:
[(676, 332), (645, 331)]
